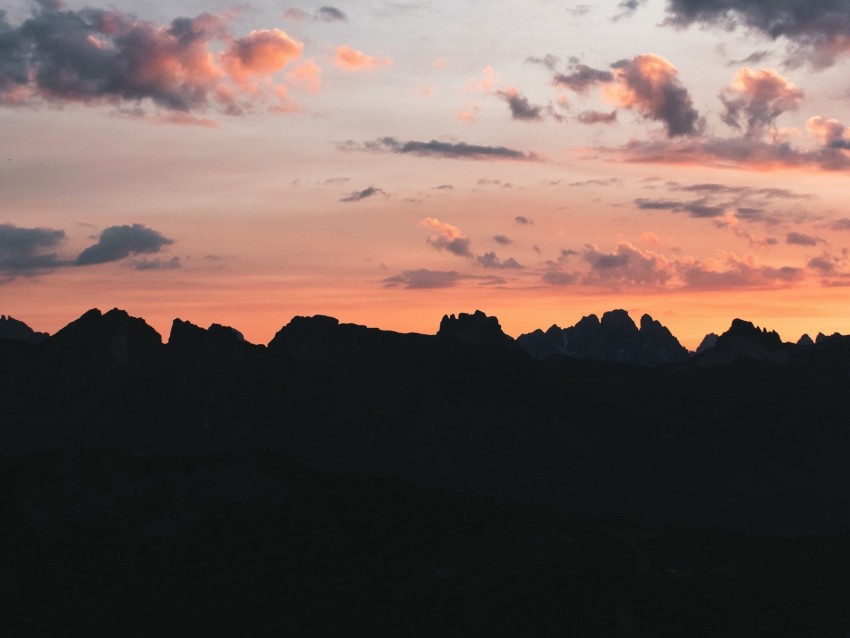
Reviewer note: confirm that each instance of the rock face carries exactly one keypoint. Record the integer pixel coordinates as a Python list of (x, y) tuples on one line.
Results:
[(19, 331), (476, 328), (614, 338)]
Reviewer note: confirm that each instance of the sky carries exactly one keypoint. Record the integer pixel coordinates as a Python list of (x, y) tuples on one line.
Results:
[(389, 162)]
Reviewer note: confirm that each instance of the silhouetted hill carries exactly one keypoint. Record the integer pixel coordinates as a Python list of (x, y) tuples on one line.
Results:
[(19, 331), (355, 469)]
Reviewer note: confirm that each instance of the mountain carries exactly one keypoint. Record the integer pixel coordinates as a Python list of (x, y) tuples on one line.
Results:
[(744, 340), (15, 330), (476, 328), (614, 338)]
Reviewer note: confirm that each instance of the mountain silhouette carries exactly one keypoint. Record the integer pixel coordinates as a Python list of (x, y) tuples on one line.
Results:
[(15, 330), (464, 473), (614, 338)]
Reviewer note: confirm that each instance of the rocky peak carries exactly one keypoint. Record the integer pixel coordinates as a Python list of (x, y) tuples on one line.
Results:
[(805, 340), (19, 331), (114, 340), (475, 328), (741, 332)]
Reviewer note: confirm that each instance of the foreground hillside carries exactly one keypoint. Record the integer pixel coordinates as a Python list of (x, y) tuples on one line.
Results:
[(408, 479)]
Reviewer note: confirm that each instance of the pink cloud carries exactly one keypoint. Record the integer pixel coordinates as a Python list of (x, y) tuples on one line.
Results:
[(308, 75), (353, 60)]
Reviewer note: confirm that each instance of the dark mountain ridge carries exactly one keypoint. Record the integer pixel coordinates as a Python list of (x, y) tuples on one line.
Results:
[(439, 484)]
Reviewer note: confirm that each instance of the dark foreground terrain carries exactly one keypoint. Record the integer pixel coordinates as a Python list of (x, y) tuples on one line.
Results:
[(347, 478)]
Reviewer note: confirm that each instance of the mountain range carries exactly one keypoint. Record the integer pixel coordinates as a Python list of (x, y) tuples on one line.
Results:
[(597, 479)]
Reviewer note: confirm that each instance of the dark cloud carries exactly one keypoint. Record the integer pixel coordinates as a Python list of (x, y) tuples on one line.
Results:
[(323, 14), (157, 264), (503, 240), (818, 31), (28, 251), (424, 279), (582, 78), (738, 152), (756, 57), (736, 273), (611, 181), (743, 191), (523, 221), (801, 239), (331, 14), (824, 263), (549, 61), (560, 278), (841, 224), (521, 108), (627, 265), (697, 208), (105, 56), (443, 187), (490, 260), (597, 117), (357, 196), (434, 148), (649, 84), (119, 242)]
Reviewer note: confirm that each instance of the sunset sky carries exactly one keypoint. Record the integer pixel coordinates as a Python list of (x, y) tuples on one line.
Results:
[(387, 162)]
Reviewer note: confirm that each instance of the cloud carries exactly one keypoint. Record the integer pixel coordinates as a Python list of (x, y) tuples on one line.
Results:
[(826, 263), (738, 152), (434, 148), (447, 237), (755, 99), (801, 239), (757, 57), (521, 108), (28, 251), (97, 56), (548, 61), (582, 78), (323, 14), (522, 220), (829, 132), (627, 264), (560, 278), (357, 196), (307, 75), (818, 31), (424, 279), (351, 59), (697, 208), (502, 240), (331, 14), (841, 224), (490, 260), (597, 117), (649, 84), (119, 242), (157, 264), (734, 272)]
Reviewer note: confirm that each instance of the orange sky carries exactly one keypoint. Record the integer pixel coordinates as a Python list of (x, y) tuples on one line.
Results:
[(380, 164)]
